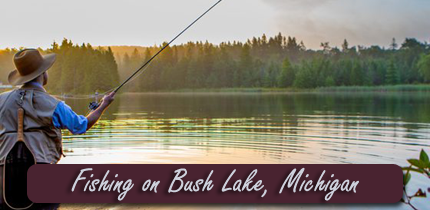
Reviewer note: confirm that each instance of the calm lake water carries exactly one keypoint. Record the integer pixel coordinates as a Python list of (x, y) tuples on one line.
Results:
[(250, 128)]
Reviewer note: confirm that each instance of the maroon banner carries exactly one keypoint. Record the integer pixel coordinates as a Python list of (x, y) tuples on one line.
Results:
[(215, 183)]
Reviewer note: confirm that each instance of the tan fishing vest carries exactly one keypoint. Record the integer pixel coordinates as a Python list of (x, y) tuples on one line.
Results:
[(40, 135)]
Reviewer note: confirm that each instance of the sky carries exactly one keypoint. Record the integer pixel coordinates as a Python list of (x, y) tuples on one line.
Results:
[(29, 23)]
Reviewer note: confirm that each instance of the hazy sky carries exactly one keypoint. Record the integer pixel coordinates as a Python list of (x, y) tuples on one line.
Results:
[(32, 23)]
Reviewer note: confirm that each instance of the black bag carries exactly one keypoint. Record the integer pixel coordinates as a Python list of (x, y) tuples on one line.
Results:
[(17, 163)]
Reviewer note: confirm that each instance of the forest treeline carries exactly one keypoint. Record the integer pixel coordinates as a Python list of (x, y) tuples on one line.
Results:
[(260, 62), (278, 62), (79, 69)]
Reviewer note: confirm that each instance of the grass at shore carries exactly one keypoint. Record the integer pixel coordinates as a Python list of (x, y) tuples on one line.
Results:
[(387, 88), (245, 90)]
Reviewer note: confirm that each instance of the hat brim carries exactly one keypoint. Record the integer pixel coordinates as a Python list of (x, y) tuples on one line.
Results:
[(15, 78)]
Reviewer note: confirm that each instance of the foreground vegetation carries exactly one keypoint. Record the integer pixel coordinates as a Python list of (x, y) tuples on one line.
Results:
[(419, 166)]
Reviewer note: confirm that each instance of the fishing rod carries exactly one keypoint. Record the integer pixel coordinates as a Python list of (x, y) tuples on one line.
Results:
[(94, 105)]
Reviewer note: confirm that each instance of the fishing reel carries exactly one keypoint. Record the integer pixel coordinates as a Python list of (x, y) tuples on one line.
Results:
[(94, 105)]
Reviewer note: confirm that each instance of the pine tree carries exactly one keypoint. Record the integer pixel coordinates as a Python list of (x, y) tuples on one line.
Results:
[(393, 45), (244, 73), (287, 76), (345, 46), (424, 67), (391, 77)]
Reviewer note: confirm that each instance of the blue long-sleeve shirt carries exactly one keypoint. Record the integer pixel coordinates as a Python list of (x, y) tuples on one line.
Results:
[(65, 118)]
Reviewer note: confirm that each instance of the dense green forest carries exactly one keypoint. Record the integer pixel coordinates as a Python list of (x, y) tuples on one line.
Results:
[(78, 69), (261, 62), (279, 62)]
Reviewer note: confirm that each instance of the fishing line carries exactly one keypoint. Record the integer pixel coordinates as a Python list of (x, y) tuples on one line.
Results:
[(140, 70), (82, 97), (161, 50), (94, 105), (93, 96)]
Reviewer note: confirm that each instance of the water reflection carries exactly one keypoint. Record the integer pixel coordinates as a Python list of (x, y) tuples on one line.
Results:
[(255, 128)]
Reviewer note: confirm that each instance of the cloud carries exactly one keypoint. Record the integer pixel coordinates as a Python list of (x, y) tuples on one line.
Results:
[(364, 22)]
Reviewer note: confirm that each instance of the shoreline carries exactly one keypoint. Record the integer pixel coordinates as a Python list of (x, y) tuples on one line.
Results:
[(418, 88)]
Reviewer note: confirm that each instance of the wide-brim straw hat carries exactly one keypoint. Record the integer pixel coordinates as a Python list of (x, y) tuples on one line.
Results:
[(29, 65)]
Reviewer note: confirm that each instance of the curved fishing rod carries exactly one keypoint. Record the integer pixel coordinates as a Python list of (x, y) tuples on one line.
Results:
[(94, 105)]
